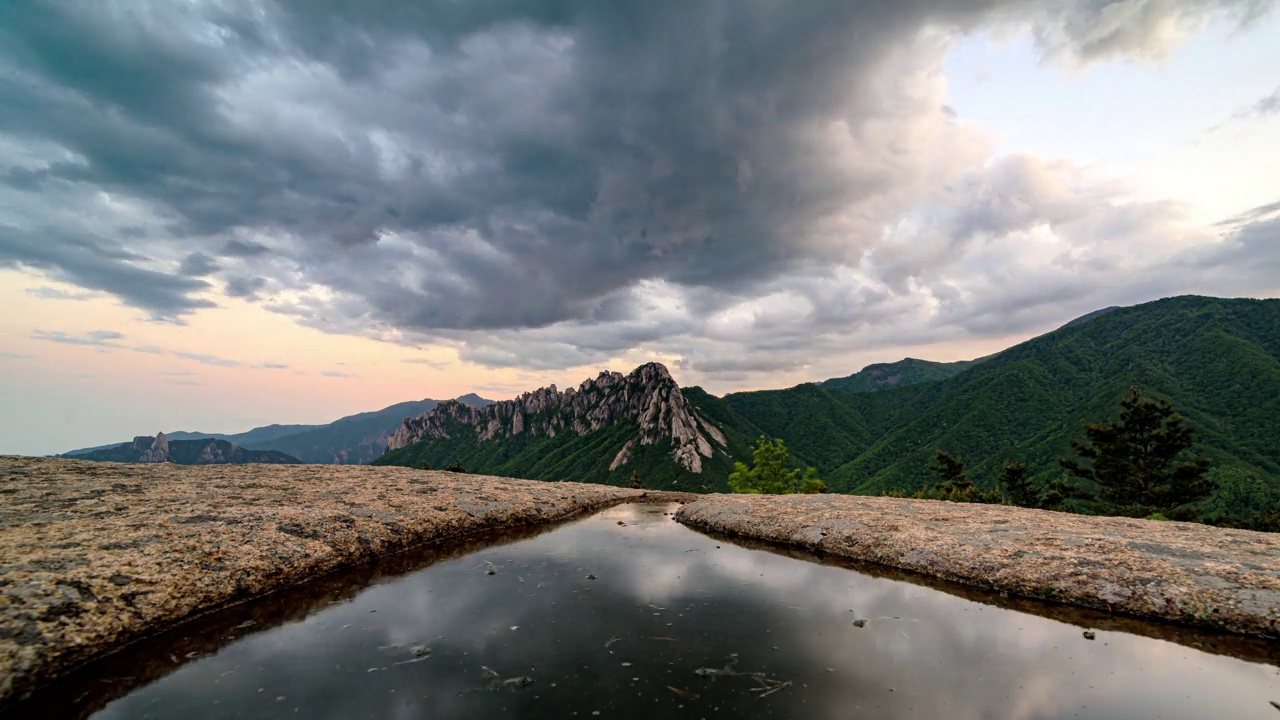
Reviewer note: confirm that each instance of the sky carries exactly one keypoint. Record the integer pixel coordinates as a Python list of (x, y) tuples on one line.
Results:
[(217, 214)]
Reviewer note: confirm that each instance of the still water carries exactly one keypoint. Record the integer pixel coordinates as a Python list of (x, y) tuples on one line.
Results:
[(626, 614)]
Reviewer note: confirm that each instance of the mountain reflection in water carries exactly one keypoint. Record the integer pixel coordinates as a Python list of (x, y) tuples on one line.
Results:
[(628, 614)]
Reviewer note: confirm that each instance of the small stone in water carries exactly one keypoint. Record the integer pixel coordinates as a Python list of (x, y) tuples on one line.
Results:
[(1089, 635), (859, 623)]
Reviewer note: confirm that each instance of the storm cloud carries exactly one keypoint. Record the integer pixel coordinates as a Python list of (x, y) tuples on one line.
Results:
[(549, 184)]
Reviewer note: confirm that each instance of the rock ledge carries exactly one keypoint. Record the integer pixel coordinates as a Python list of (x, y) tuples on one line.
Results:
[(1187, 573)]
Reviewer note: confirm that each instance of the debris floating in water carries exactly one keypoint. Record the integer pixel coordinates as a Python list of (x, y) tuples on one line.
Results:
[(497, 682), (765, 685), (681, 692)]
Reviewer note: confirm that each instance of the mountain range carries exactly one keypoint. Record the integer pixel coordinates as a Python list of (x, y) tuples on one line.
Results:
[(1216, 360), (352, 440)]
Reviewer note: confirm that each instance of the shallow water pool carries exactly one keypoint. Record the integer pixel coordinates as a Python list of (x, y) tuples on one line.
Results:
[(627, 614)]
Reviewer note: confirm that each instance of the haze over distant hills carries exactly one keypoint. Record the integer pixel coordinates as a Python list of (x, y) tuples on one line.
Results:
[(352, 440), (203, 451)]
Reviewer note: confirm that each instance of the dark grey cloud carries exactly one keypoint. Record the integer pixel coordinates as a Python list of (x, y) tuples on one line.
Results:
[(244, 286), (149, 349), (198, 264), (1252, 215), (51, 293), (550, 183), (269, 366), (433, 364), (244, 248), (96, 338), (100, 265), (204, 359), (1265, 106), (336, 374)]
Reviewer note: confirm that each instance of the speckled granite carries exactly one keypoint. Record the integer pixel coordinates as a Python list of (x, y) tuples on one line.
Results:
[(1182, 572), (93, 555)]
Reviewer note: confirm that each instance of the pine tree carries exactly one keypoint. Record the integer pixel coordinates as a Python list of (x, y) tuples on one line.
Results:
[(1135, 464), (956, 485), (1017, 486), (769, 475), (951, 469), (636, 483)]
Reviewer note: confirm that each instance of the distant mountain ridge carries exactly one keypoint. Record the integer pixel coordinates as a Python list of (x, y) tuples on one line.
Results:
[(203, 451), (908, 371), (351, 440), (911, 371)]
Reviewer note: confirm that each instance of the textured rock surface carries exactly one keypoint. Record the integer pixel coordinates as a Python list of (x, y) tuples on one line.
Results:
[(1183, 572), (648, 397), (93, 555)]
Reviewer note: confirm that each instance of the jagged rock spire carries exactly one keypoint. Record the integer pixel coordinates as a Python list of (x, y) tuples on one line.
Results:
[(157, 452), (648, 396)]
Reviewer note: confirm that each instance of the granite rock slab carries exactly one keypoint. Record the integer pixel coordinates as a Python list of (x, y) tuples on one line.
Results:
[(1187, 573), (95, 555)]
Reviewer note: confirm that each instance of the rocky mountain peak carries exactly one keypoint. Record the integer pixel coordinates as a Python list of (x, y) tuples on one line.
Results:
[(157, 451), (648, 397)]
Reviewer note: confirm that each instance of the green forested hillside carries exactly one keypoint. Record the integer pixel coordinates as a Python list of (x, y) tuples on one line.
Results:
[(567, 456), (1217, 360)]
